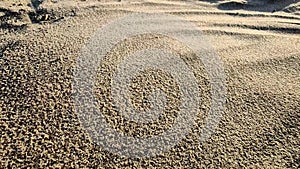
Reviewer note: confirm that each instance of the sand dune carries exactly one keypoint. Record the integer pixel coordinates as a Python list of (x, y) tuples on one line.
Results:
[(260, 48)]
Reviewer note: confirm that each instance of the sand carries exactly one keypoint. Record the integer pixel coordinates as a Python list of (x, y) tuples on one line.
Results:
[(260, 49)]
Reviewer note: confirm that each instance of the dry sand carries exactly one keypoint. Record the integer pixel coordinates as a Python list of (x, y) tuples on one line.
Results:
[(260, 48)]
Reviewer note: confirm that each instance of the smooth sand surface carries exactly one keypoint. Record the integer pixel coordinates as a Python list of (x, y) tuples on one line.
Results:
[(261, 53)]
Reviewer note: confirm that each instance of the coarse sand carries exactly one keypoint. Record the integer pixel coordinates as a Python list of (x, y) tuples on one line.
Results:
[(259, 46)]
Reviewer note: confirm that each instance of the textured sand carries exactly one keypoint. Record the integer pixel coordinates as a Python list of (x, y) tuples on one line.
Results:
[(260, 50)]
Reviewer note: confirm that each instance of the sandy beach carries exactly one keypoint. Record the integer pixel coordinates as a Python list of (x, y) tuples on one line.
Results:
[(259, 45)]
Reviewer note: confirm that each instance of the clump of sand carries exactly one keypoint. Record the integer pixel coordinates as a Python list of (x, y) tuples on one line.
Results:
[(15, 12), (16, 5), (19, 13)]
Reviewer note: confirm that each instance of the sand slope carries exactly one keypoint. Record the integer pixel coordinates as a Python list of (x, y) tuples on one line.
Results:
[(260, 50)]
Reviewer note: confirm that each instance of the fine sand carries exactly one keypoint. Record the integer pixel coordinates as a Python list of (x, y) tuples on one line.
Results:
[(259, 45)]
